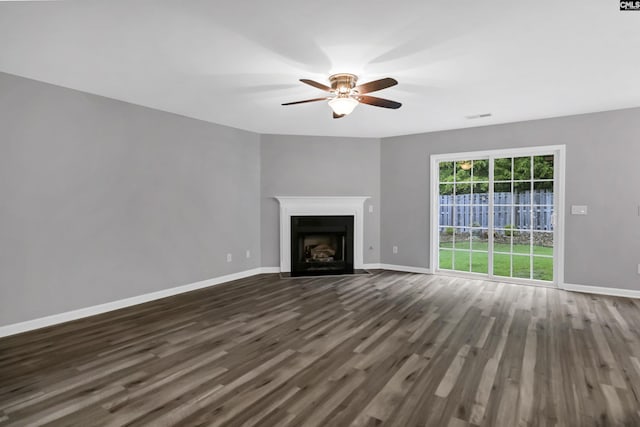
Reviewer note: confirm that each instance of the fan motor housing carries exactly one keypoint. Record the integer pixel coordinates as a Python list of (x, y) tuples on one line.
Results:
[(343, 83)]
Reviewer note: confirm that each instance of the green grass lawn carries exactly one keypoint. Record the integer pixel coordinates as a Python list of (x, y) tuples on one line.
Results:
[(478, 262), (499, 247)]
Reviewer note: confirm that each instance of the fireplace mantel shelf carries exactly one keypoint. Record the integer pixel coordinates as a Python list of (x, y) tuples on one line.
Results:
[(337, 199), (320, 205)]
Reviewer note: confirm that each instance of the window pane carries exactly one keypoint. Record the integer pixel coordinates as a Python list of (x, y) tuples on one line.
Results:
[(502, 193), (502, 265), (522, 217), (461, 260), (463, 189), (502, 216), (462, 239), (542, 268), (502, 239), (522, 193), (481, 170), (481, 194), (522, 168), (446, 237), (542, 218), (522, 266), (462, 216), (446, 171), (480, 216), (542, 243), (502, 169), (543, 167), (463, 170), (521, 242), (480, 239), (445, 259), (480, 262), (446, 215), (543, 193), (446, 190)]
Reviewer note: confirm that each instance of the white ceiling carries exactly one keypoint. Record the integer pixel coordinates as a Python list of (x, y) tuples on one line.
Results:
[(235, 62)]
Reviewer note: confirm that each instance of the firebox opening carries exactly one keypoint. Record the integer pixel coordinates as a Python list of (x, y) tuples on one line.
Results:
[(319, 248), (321, 245)]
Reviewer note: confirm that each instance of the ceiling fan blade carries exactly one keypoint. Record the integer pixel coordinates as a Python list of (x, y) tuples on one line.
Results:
[(376, 85), (306, 100), (379, 102), (316, 85), (338, 116)]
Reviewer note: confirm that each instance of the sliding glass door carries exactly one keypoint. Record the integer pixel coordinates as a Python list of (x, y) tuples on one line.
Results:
[(495, 214)]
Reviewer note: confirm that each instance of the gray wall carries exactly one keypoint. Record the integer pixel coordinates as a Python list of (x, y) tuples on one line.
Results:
[(603, 155), (102, 200), (319, 166)]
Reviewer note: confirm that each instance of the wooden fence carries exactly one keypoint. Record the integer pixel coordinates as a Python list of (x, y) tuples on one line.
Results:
[(510, 210)]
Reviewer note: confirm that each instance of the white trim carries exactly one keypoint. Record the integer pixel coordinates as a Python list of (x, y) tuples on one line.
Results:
[(372, 266), (435, 214), (599, 290), (269, 270), (405, 268), (80, 313), (559, 152), (559, 172), (321, 205), (506, 152)]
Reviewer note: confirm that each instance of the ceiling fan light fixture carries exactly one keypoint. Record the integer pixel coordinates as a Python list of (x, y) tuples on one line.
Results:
[(343, 105), (344, 95)]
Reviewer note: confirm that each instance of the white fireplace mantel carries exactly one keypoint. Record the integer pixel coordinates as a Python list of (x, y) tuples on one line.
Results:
[(321, 205)]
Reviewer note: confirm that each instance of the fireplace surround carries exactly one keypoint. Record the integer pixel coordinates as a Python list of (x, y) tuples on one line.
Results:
[(302, 206)]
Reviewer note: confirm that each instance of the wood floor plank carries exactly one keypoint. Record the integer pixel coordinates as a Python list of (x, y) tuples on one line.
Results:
[(389, 348), (385, 401)]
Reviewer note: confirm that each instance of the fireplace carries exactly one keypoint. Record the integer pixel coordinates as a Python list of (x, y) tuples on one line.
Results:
[(321, 206), (322, 245)]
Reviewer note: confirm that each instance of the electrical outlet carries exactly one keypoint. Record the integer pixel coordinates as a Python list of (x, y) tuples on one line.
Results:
[(578, 210), (248, 254), (370, 208), (229, 258), (395, 249)]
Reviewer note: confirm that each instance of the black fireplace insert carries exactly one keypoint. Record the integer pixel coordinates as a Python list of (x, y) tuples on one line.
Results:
[(321, 245)]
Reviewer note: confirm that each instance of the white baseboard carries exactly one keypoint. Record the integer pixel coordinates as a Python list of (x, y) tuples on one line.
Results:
[(54, 319), (405, 268), (270, 270), (372, 266), (615, 292)]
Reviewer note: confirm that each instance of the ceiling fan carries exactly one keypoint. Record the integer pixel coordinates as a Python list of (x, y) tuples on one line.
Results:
[(345, 95)]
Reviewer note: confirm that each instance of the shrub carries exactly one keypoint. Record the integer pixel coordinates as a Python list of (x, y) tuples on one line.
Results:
[(508, 230)]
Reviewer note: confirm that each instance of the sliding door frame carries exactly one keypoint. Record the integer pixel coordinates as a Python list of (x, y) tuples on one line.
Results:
[(559, 152)]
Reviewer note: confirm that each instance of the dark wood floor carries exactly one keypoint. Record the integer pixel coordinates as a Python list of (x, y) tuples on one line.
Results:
[(385, 349)]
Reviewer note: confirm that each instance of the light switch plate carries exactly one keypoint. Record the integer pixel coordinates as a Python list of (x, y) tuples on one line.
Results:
[(578, 210)]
